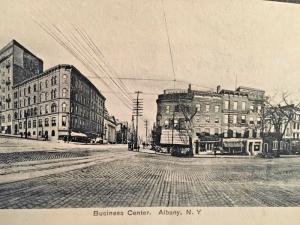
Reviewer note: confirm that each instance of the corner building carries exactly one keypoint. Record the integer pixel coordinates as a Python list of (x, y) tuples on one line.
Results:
[(57, 103), (227, 120)]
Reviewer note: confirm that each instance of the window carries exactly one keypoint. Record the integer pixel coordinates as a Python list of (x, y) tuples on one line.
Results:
[(64, 121), (46, 122), (34, 87), (53, 107), (65, 78), (53, 133), (9, 118), (35, 111), (29, 123), (53, 121), (64, 92), (234, 119), (34, 99), (167, 109), (167, 124), (15, 115), (46, 83), (243, 106), (225, 133), (46, 96), (176, 124), (20, 125), (252, 108), (206, 108), (54, 93), (217, 120), (226, 104), (41, 110), (64, 107), (198, 107), (235, 104), (259, 108), (34, 123), (225, 118), (40, 122), (217, 108), (29, 100), (275, 145), (41, 86), (258, 120), (251, 121), (46, 109), (207, 119), (29, 89), (243, 119)]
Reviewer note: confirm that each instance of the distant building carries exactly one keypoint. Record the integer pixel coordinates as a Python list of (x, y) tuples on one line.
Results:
[(122, 132), (110, 125), (58, 103), (225, 119)]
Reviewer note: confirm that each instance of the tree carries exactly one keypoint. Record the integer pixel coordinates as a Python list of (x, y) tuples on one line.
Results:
[(189, 111), (278, 116)]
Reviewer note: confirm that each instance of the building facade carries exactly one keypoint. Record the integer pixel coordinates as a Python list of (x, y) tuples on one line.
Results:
[(57, 103), (226, 120)]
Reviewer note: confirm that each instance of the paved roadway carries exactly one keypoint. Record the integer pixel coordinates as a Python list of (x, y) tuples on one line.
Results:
[(46, 175)]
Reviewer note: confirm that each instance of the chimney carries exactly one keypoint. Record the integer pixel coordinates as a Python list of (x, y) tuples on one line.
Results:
[(218, 88), (190, 87)]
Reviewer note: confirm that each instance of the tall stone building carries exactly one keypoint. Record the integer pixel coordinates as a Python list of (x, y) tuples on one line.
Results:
[(57, 103), (226, 120)]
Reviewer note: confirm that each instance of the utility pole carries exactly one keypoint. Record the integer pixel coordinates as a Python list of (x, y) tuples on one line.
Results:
[(146, 127), (137, 112)]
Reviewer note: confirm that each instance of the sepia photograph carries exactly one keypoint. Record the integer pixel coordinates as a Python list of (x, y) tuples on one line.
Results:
[(133, 110)]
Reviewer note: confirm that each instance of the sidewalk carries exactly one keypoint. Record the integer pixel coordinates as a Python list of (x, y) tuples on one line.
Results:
[(9, 144)]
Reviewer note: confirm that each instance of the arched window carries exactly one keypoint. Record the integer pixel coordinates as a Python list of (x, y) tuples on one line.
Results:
[(53, 133), (29, 89), (64, 92), (54, 93), (15, 115), (64, 107), (28, 100), (34, 87), (34, 99), (53, 107)]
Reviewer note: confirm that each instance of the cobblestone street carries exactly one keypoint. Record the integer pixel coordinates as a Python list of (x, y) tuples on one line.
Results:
[(144, 179)]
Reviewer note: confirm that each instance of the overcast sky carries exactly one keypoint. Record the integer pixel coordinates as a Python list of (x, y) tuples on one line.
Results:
[(212, 42)]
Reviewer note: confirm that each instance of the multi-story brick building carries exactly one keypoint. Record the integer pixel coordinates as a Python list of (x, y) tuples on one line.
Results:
[(225, 119), (57, 103)]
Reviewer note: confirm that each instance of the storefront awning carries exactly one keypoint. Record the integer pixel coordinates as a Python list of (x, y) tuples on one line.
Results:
[(73, 134), (233, 144)]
